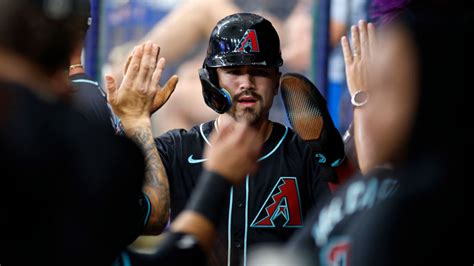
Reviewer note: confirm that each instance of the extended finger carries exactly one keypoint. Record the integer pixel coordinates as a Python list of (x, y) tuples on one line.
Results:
[(372, 37), (364, 38), (213, 137), (153, 62), (252, 141), (127, 64), (133, 67), (346, 50), (224, 132), (158, 71), (145, 64), (247, 135), (355, 41)]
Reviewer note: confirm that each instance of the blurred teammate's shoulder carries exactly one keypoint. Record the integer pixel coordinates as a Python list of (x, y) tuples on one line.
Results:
[(71, 177)]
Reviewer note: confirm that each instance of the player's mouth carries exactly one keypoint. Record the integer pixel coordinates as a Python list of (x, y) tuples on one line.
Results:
[(247, 101)]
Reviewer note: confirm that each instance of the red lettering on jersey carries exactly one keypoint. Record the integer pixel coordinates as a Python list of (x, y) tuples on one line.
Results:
[(249, 42), (336, 253), (284, 202)]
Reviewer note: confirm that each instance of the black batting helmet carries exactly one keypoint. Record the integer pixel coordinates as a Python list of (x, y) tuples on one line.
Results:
[(241, 39)]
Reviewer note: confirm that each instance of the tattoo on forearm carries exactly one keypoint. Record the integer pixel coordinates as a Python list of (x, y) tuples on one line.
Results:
[(156, 184)]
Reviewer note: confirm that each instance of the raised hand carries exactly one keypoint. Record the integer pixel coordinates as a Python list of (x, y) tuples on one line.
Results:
[(139, 93), (234, 152), (163, 94), (358, 57)]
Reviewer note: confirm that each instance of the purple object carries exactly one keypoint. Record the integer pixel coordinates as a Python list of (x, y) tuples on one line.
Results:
[(384, 11)]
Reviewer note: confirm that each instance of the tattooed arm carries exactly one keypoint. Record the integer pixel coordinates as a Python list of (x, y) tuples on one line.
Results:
[(156, 185), (138, 96)]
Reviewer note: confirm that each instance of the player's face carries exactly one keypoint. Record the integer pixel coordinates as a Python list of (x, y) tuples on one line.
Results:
[(252, 89)]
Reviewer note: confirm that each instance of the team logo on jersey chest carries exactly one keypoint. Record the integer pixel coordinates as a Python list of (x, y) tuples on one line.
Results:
[(282, 204)]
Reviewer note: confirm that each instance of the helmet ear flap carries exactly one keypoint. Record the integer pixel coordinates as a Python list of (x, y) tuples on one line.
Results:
[(217, 98), (213, 76)]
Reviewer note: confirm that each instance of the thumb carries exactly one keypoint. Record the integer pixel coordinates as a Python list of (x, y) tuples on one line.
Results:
[(165, 93), (169, 87)]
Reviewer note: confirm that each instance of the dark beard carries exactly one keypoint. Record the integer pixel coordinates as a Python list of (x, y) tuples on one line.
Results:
[(251, 116)]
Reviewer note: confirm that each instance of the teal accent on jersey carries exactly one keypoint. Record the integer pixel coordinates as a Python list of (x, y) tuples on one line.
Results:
[(276, 147), (322, 158), (85, 81)]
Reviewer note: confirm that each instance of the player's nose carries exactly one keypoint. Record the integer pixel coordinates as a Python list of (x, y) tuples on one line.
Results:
[(246, 82)]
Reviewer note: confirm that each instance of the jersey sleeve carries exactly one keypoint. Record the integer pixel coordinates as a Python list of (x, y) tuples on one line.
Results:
[(320, 176), (91, 101), (124, 180)]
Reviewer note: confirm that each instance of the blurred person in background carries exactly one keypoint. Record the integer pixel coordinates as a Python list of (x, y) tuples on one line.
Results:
[(406, 209), (88, 98), (70, 192)]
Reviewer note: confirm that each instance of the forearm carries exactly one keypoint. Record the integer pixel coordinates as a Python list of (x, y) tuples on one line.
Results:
[(206, 206), (197, 225), (364, 145), (204, 209), (156, 185)]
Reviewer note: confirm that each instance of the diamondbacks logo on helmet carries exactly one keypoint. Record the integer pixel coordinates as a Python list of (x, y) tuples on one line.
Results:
[(249, 42), (282, 206)]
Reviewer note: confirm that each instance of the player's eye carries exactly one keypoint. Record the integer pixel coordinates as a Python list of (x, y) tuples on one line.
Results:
[(234, 71)]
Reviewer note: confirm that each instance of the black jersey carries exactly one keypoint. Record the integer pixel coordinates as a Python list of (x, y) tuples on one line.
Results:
[(91, 101), (70, 193), (268, 207), (335, 232)]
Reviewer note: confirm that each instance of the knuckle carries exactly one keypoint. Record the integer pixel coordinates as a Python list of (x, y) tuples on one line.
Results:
[(135, 67)]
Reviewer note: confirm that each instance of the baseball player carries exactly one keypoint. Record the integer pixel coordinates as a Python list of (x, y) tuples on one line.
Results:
[(88, 97), (192, 233), (337, 229), (407, 209), (81, 185), (240, 77)]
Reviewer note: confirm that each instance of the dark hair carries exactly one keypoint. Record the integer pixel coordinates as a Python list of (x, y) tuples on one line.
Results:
[(84, 14), (42, 31)]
